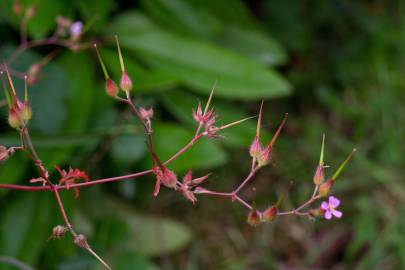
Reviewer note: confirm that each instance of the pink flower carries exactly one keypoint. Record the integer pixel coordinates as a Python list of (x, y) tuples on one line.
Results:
[(76, 29), (330, 208)]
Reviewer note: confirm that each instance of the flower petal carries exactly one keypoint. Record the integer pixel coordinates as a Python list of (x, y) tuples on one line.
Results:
[(334, 202), (324, 206), (328, 215), (337, 213)]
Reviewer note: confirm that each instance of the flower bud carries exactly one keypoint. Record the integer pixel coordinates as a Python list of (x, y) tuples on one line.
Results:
[(17, 7), (325, 187), (254, 218), (31, 11), (270, 213), (32, 73), (319, 175), (255, 148), (111, 88), (316, 212), (126, 82), (3, 153)]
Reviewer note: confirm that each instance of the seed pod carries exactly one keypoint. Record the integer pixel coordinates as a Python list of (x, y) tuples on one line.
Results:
[(26, 112), (111, 88), (319, 175), (14, 118), (125, 82), (255, 148), (270, 213), (325, 187), (254, 218)]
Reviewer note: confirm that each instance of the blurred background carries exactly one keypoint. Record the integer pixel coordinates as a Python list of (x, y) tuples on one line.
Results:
[(336, 66)]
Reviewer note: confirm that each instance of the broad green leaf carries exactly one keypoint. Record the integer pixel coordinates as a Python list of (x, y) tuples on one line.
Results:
[(254, 44), (145, 234), (179, 15), (153, 236), (170, 138), (181, 103), (198, 63), (233, 12), (25, 225), (201, 20), (145, 81)]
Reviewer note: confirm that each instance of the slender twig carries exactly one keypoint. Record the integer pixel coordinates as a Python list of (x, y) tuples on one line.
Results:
[(247, 179)]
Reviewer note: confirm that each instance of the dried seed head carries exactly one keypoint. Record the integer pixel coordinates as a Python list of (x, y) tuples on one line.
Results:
[(125, 82), (197, 114), (254, 218), (188, 194), (164, 176), (58, 231), (187, 178), (111, 88), (3, 153), (146, 114), (270, 213)]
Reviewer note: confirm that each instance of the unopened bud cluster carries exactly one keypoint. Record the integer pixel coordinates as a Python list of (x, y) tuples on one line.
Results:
[(111, 86), (262, 155), (19, 112), (256, 217)]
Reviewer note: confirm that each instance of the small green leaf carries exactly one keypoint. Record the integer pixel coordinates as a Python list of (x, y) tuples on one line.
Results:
[(25, 225), (254, 44)]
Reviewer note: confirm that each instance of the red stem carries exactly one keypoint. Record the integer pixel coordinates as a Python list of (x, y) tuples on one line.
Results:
[(250, 176)]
